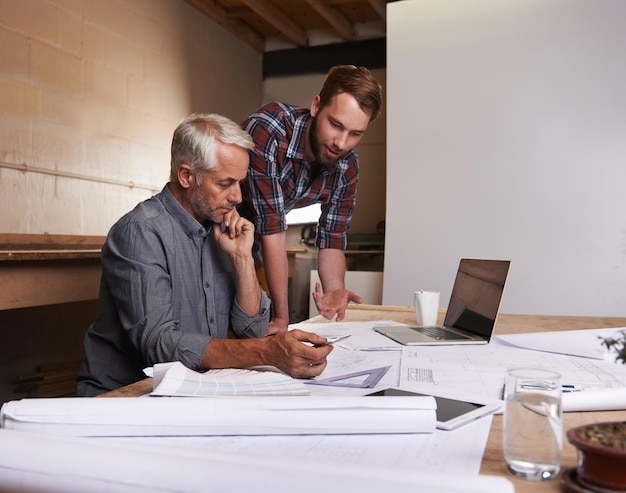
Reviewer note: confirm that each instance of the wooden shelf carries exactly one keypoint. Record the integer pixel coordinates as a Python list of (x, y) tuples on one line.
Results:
[(38, 270)]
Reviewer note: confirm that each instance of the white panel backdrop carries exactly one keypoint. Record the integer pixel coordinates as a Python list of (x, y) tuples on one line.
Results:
[(506, 133)]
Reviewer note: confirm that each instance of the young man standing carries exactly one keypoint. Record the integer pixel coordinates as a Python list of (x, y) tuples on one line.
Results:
[(302, 157)]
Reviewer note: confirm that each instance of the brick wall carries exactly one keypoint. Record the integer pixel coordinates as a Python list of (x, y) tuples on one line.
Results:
[(90, 92)]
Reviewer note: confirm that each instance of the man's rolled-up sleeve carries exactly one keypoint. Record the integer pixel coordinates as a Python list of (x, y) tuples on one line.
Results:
[(245, 326)]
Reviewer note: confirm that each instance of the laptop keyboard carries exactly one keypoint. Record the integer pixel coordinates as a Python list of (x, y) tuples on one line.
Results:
[(439, 333)]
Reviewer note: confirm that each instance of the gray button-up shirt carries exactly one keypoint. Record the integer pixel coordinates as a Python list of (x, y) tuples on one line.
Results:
[(167, 288)]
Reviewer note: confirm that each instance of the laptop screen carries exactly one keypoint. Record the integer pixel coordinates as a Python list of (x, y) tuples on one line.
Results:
[(476, 295)]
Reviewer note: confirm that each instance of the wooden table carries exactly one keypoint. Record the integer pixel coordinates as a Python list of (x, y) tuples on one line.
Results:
[(493, 462)]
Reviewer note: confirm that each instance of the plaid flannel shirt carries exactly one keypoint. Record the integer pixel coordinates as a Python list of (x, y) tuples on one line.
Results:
[(281, 179)]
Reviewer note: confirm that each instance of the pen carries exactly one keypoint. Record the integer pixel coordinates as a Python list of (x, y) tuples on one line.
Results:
[(381, 348), (571, 387), (566, 387), (330, 340)]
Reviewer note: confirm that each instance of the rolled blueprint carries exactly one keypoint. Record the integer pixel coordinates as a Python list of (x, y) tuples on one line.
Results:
[(613, 399), (206, 416)]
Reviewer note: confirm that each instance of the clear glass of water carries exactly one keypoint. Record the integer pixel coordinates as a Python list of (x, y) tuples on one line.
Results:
[(533, 423)]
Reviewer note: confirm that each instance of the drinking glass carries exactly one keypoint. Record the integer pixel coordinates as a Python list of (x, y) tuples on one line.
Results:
[(533, 423)]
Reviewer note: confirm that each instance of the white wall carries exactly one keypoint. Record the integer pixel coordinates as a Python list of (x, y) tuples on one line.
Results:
[(507, 139)]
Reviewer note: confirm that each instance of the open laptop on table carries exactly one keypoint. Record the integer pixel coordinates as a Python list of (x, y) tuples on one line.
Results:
[(472, 311)]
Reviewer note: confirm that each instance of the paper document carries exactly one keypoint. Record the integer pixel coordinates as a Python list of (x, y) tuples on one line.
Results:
[(46, 464), (200, 416), (174, 379), (479, 370), (457, 451), (585, 343), (364, 352)]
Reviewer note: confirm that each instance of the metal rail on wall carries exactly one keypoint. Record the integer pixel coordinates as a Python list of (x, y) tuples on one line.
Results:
[(65, 174)]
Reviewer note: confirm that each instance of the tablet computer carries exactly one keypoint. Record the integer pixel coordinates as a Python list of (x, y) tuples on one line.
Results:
[(451, 411)]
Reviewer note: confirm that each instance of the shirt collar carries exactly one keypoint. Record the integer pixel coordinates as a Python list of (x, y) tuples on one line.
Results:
[(297, 146), (187, 222)]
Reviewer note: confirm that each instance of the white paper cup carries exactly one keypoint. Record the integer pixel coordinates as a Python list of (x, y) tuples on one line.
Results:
[(426, 307)]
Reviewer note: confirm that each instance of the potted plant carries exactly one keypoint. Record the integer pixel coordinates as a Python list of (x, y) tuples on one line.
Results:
[(601, 455), (617, 344), (601, 446)]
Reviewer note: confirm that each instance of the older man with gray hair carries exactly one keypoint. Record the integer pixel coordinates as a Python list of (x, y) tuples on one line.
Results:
[(178, 273)]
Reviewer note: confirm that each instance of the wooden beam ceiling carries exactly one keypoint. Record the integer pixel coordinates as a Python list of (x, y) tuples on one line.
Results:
[(339, 22), (256, 21), (278, 19)]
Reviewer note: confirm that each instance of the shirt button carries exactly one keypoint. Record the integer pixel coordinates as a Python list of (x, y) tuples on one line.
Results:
[(211, 319), (207, 285)]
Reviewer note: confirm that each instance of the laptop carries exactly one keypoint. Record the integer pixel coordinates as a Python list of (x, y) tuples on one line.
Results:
[(472, 310)]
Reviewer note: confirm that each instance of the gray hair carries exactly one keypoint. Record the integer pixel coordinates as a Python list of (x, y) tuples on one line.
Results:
[(195, 141)]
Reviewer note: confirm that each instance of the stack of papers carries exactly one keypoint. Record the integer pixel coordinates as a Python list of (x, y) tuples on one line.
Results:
[(174, 379), (479, 371), (53, 464)]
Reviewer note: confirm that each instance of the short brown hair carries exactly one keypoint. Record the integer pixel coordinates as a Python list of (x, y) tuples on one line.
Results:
[(357, 81)]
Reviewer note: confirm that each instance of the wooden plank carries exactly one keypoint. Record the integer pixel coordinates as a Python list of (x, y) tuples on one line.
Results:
[(43, 269), (24, 284), (274, 16), (216, 12), (21, 255), (339, 22), (142, 387), (17, 241)]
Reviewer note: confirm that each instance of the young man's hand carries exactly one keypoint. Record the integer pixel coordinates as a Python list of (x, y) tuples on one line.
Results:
[(334, 302)]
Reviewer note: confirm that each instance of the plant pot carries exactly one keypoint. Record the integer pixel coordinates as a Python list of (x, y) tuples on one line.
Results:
[(601, 455)]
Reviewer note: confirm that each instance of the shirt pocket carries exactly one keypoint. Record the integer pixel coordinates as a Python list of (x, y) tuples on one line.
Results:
[(224, 296)]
